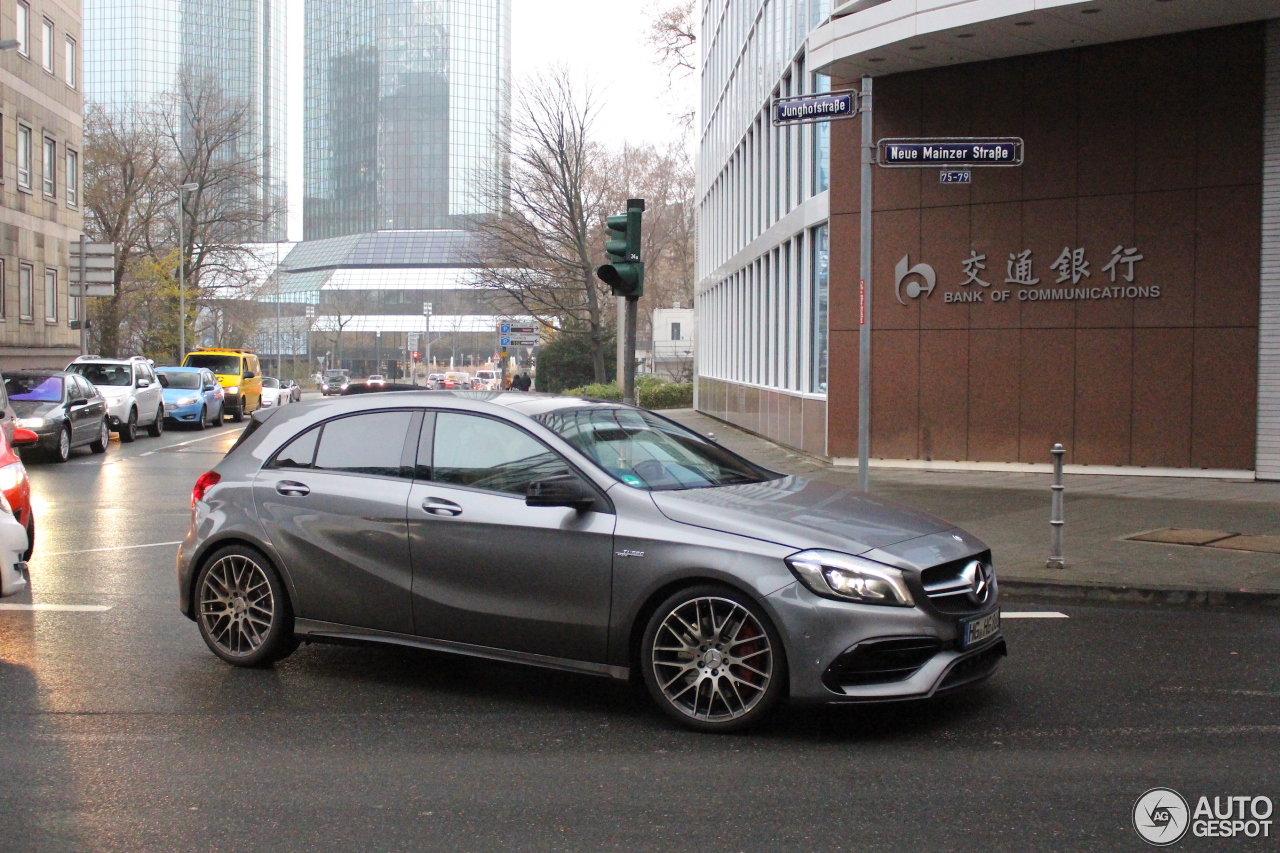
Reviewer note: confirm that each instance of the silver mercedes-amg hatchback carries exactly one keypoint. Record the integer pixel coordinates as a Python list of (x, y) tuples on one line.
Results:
[(579, 535)]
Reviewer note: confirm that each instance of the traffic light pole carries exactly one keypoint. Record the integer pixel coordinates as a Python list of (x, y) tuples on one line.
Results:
[(864, 295), (629, 351)]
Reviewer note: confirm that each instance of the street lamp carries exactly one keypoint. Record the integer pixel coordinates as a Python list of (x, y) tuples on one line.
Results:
[(182, 270), (426, 355)]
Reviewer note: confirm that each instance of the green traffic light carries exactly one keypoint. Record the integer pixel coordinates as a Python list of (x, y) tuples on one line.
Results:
[(625, 271)]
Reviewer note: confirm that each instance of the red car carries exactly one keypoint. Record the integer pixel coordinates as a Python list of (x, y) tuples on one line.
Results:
[(14, 483)]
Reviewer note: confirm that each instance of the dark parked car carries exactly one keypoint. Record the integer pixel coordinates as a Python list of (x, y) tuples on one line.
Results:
[(585, 536), (64, 409)]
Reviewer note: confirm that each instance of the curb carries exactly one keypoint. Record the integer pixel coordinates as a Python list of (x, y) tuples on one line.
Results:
[(1123, 594)]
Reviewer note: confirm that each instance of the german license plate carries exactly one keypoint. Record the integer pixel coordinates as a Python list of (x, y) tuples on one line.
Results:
[(974, 631)]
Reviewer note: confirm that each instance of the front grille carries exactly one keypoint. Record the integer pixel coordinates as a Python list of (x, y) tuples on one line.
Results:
[(880, 661), (949, 586), (976, 667)]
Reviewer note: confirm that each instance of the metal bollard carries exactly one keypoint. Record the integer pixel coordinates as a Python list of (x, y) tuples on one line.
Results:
[(1056, 560)]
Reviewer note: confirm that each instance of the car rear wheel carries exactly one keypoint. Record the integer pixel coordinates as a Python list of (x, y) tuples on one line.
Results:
[(217, 420), (712, 660), (156, 429), (242, 608), (129, 429), (61, 451), (201, 422), (31, 535), (104, 438)]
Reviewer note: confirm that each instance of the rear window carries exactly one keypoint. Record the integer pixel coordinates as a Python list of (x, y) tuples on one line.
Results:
[(224, 365)]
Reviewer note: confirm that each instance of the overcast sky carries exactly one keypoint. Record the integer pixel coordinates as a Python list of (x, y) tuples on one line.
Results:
[(600, 42)]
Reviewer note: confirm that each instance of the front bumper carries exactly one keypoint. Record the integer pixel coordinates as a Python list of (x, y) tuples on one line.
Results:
[(118, 411), (184, 414), (13, 543), (906, 652)]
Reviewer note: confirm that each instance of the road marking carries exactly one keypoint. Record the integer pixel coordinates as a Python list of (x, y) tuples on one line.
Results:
[(1032, 614), (115, 548), (76, 608), (185, 443)]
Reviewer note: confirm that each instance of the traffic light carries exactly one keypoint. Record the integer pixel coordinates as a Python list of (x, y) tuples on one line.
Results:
[(415, 357), (625, 271)]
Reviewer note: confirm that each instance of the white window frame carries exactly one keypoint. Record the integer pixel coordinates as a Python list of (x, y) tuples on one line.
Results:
[(22, 17), (72, 192), (71, 61), (26, 292), (4, 293), (24, 158), (46, 44), (50, 295), (49, 167)]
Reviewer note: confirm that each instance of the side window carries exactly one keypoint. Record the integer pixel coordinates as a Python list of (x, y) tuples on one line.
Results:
[(371, 443), (298, 453), (483, 453)]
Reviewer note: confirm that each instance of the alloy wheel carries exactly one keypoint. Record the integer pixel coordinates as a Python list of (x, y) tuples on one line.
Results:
[(712, 659), (64, 445), (236, 605)]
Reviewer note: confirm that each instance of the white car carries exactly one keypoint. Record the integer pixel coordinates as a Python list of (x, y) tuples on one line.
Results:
[(132, 391), (272, 394), (13, 544), (488, 380)]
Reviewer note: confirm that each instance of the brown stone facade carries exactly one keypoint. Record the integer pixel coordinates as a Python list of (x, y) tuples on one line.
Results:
[(1153, 145), (795, 420)]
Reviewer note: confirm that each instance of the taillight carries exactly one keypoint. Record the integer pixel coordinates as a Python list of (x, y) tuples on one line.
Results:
[(207, 480)]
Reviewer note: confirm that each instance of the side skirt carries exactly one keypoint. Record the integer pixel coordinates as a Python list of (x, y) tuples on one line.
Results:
[(320, 632)]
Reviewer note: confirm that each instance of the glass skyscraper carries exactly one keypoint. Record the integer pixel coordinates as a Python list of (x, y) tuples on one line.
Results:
[(406, 105), (139, 48)]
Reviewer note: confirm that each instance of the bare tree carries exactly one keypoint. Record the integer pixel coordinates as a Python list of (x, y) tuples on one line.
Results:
[(673, 37), (540, 253)]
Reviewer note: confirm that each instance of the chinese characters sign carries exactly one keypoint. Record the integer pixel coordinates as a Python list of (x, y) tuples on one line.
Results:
[(1070, 277)]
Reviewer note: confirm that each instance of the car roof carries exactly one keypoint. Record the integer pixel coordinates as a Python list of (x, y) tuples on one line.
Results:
[(173, 368), (39, 371)]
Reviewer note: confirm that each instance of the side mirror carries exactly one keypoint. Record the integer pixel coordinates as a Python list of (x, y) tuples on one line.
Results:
[(79, 401), (24, 438), (249, 374), (560, 491), (144, 383)]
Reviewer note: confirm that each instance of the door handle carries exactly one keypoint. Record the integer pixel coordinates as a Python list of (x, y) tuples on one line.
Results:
[(292, 489), (440, 506)]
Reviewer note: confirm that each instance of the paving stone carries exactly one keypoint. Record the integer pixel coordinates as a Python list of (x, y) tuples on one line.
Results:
[(1260, 544), (1183, 536)]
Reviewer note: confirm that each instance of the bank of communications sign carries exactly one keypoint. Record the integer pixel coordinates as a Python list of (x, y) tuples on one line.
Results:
[(1070, 276)]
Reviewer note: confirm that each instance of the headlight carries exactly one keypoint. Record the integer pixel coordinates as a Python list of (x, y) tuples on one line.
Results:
[(188, 401), (835, 575), (233, 389), (30, 423), (11, 476)]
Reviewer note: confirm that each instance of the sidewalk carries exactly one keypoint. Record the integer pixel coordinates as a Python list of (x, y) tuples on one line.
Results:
[(1011, 513)]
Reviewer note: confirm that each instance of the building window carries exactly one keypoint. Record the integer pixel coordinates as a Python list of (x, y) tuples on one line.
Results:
[(46, 44), (71, 62), (50, 167), (24, 28), (25, 296), (820, 283), (73, 305), (675, 331), (73, 178), (4, 291), (821, 142), (50, 295), (24, 158)]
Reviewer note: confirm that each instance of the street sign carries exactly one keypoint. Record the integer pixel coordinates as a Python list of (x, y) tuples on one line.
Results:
[(946, 151), (504, 329), (504, 341), (955, 176), (523, 339), (99, 268), (822, 106)]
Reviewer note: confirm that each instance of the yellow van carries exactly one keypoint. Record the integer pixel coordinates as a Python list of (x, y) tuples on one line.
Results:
[(238, 373)]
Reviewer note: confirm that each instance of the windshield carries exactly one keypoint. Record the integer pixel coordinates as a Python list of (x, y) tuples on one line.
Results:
[(37, 389), (223, 365), (336, 374), (270, 383), (119, 375), (180, 381), (649, 452)]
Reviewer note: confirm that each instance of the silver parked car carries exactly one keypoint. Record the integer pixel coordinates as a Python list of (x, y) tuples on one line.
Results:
[(584, 536)]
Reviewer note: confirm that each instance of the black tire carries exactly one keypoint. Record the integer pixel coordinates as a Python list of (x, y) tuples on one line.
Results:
[(720, 657), (237, 414), (31, 535), (129, 429), (230, 617), (217, 421), (104, 438), (156, 428), (200, 421), (61, 451)]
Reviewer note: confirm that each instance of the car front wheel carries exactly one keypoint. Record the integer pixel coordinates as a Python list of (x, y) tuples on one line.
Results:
[(129, 429), (712, 660), (62, 450), (242, 608), (202, 421), (156, 429)]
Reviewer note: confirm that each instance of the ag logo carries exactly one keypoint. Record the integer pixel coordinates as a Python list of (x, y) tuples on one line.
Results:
[(1161, 816), (914, 288)]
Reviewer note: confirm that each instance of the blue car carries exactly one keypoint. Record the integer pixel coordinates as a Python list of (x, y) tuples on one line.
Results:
[(192, 396)]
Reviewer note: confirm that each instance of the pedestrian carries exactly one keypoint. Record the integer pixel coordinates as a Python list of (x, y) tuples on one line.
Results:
[(526, 384), (507, 384)]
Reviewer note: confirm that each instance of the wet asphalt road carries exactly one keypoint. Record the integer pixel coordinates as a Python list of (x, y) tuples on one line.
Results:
[(120, 731)]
